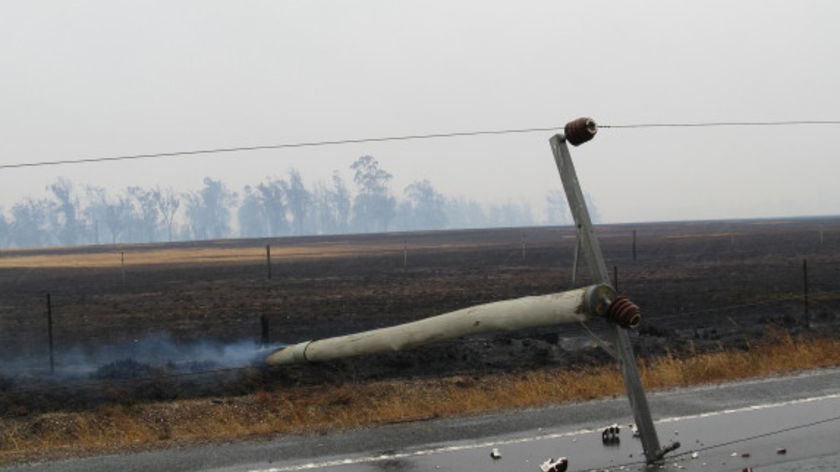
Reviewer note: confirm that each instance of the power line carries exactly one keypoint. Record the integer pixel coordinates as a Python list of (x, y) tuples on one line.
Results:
[(458, 134), (744, 439), (281, 146), (723, 124)]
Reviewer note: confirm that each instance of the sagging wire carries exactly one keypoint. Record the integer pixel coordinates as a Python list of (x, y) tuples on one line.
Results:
[(456, 134), (741, 440), (722, 124), (443, 135)]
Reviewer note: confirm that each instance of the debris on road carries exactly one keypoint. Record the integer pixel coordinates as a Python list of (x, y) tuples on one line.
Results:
[(555, 465), (610, 434)]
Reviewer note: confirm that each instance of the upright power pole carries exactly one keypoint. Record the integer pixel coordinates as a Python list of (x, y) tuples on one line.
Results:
[(592, 252)]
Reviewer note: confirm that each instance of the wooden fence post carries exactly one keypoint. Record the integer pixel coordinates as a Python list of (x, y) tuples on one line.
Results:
[(615, 278), (264, 330), (268, 259), (805, 285), (50, 333)]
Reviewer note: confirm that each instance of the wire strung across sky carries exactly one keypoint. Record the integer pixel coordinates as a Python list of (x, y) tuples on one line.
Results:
[(404, 138), (724, 123)]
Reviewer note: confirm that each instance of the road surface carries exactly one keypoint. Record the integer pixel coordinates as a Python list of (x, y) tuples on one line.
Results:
[(773, 424)]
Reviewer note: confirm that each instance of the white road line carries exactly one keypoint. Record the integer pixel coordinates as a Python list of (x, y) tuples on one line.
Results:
[(749, 408), (489, 444)]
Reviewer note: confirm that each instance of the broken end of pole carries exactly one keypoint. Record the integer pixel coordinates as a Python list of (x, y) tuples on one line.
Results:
[(294, 354), (660, 455)]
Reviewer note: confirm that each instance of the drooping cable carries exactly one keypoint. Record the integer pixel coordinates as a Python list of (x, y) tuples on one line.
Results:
[(457, 134)]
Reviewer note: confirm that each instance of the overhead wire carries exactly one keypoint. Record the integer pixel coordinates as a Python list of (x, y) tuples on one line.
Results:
[(304, 144), (722, 124), (409, 137), (406, 138), (719, 445)]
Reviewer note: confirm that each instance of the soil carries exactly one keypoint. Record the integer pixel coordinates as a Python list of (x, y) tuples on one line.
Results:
[(148, 310)]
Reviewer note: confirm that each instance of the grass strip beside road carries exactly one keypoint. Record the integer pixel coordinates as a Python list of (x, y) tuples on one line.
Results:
[(141, 426)]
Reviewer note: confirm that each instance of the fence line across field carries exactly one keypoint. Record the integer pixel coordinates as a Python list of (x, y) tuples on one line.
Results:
[(164, 376)]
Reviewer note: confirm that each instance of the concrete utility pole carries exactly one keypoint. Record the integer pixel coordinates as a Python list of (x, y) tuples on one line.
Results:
[(574, 306), (592, 252)]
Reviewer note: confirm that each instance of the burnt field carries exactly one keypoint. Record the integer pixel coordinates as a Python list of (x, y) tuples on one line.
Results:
[(186, 319)]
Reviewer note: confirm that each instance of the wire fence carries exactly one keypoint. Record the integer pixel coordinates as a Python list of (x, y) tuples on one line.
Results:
[(652, 274)]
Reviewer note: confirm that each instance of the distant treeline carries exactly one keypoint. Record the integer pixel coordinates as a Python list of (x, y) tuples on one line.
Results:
[(275, 207)]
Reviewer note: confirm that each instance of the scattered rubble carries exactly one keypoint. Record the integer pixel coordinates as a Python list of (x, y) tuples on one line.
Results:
[(610, 435), (555, 465)]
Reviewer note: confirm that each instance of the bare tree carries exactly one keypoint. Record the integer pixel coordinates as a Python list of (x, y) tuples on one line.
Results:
[(373, 207), (167, 205), (66, 222), (5, 230), (115, 212), (427, 206), (331, 206), (148, 212), (208, 210), (252, 223), (30, 226), (274, 206), (298, 198)]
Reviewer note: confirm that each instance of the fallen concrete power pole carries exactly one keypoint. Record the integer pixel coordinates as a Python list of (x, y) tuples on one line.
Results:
[(508, 315), (577, 305)]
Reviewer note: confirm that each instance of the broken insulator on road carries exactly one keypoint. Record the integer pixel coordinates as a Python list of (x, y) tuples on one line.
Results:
[(624, 312), (610, 435), (555, 465), (580, 131)]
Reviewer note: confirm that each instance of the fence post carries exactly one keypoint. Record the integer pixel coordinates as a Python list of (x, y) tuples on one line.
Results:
[(268, 259), (615, 278), (634, 248), (264, 330), (805, 285), (50, 333)]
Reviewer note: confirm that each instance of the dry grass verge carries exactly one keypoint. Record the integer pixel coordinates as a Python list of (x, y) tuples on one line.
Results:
[(306, 409)]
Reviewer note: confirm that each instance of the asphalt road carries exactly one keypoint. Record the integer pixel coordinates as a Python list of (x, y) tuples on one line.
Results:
[(730, 427)]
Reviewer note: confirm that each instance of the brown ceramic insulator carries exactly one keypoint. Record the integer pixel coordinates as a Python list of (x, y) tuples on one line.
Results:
[(624, 312), (580, 131)]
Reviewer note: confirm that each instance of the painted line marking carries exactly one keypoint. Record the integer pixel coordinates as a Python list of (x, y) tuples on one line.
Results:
[(489, 444)]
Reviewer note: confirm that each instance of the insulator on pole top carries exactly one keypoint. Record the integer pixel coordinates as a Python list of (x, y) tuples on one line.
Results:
[(580, 131)]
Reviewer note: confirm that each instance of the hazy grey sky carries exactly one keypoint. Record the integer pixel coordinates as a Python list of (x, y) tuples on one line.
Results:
[(105, 78)]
